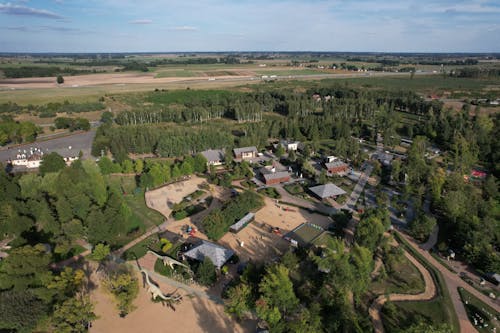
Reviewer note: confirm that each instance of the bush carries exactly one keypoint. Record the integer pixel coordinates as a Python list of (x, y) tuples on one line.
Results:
[(205, 272), (179, 215)]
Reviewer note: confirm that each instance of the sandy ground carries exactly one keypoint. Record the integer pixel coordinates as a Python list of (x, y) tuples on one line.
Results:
[(192, 315), (163, 198), (259, 244), (99, 79)]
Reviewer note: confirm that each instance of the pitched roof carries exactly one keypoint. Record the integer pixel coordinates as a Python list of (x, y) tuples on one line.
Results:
[(213, 155), (238, 151), (276, 175), (217, 254), (335, 164), (327, 190)]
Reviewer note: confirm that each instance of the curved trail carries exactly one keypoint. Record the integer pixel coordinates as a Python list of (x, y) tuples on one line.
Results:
[(428, 294)]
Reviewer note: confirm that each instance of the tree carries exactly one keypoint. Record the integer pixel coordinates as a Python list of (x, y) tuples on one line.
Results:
[(239, 297), (26, 267), (100, 252), (107, 117), (107, 166), (21, 310), (422, 226), (369, 232), (292, 157), (60, 79), (427, 328), (200, 163), (279, 151), (66, 284), (52, 162), (277, 295), (74, 315), (127, 166), (205, 272), (123, 285), (138, 166)]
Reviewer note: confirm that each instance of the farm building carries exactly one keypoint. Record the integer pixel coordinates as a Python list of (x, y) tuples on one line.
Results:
[(243, 222), (336, 167), (271, 176), (327, 191), (219, 255), (214, 156), (245, 152)]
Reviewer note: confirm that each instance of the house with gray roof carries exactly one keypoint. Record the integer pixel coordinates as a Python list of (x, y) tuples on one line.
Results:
[(219, 255), (245, 152), (328, 190), (214, 156)]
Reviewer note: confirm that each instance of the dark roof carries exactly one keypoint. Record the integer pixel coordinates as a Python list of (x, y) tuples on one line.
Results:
[(335, 164), (276, 175), (238, 151), (213, 155), (217, 254), (327, 190)]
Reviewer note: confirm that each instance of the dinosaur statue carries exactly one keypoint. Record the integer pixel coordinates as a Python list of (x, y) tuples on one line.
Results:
[(156, 292), (169, 261)]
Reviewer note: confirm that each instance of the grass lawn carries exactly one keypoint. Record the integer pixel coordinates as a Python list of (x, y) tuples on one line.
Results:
[(139, 250), (442, 300), (134, 197), (294, 188), (403, 278), (477, 311), (270, 192), (398, 316)]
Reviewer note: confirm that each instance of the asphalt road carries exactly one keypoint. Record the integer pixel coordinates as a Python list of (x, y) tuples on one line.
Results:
[(78, 142)]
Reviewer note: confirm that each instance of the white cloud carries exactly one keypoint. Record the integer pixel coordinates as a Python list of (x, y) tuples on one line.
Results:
[(18, 10), (141, 21), (184, 28)]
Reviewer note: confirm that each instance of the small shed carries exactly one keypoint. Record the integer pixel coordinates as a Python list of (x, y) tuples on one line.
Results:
[(243, 222)]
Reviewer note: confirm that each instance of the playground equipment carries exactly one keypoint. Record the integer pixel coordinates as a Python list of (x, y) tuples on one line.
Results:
[(156, 291), (169, 261)]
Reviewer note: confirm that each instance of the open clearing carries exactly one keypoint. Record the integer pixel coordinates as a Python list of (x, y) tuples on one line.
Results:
[(259, 243), (192, 314), (162, 199)]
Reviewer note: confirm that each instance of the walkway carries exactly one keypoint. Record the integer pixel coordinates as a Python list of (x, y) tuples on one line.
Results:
[(453, 281), (427, 294), (358, 189)]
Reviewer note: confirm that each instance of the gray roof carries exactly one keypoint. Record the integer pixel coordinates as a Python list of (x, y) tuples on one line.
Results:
[(238, 151), (276, 175), (218, 254), (327, 190), (241, 223), (213, 155)]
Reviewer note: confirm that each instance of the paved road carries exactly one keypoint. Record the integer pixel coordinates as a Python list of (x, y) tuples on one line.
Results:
[(453, 281), (356, 192), (81, 141)]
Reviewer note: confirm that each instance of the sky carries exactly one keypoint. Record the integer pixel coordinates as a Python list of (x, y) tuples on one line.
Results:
[(249, 25)]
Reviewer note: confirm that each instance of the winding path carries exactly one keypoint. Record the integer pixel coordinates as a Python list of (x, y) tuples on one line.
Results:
[(428, 294)]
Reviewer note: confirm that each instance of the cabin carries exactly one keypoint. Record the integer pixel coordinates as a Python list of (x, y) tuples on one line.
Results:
[(336, 167), (271, 176), (245, 153), (214, 156)]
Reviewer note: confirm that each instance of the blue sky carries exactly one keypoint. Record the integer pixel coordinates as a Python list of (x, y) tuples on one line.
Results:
[(239, 25)]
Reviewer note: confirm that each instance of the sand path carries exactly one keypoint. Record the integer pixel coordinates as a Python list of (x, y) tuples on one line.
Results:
[(427, 294)]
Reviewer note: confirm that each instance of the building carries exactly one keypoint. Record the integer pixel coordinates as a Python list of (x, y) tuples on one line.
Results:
[(336, 167), (245, 220), (219, 255), (245, 152), (214, 156), (271, 176), (326, 191), (384, 158), (289, 145)]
